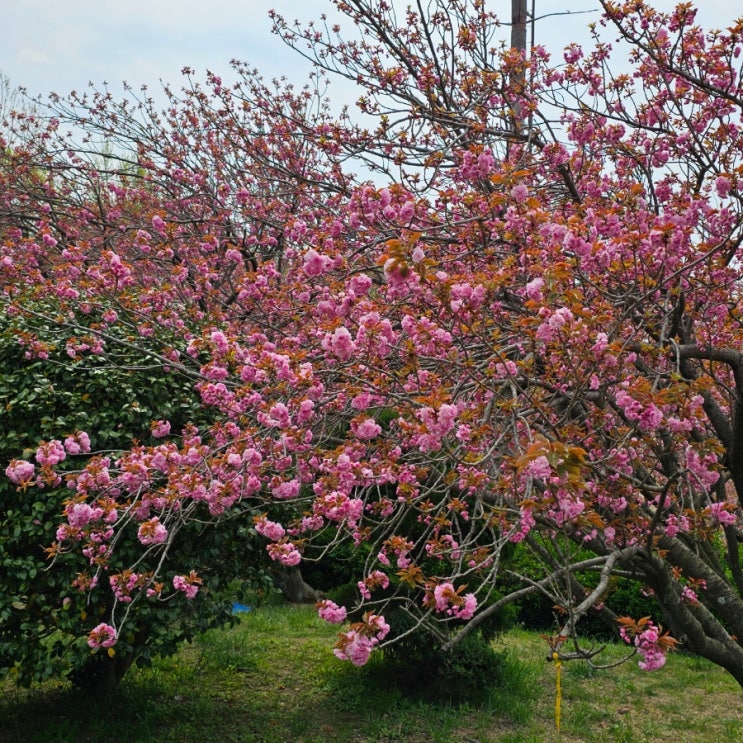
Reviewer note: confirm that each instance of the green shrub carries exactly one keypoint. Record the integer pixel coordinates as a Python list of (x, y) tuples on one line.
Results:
[(338, 570), (44, 622), (421, 667)]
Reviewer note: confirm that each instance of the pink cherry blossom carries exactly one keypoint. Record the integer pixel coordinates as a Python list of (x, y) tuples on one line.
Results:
[(519, 193), (340, 343), (722, 186), (285, 553), (81, 514), (102, 636), (50, 453), (269, 529), (534, 289), (721, 513), (356, 647), (539, 468), (331, 612), (315, 264), (20, 471), (366, 429), (152, 531), (187, 584), (160, 429)]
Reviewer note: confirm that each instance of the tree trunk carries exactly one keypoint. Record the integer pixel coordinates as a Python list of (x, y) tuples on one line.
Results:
[(101, 675), (695, 625), (290, 582)]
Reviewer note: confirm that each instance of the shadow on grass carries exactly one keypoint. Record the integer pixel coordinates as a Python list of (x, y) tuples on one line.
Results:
[(383, 684), (270, 679)]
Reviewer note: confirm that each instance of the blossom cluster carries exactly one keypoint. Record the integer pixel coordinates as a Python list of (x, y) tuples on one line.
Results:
[(448, 600), (357, 644), (649, 640)]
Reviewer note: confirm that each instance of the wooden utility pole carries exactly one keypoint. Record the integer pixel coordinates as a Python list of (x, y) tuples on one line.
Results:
[(518, 41), (518, 24)]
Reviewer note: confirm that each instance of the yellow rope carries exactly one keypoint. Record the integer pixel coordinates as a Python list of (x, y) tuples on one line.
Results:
[(558, 695)]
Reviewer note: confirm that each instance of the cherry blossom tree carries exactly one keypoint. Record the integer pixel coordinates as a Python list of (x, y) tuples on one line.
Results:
[(525, 329)]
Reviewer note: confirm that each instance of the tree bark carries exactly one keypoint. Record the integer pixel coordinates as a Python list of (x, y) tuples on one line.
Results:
[(101, 675), (695, 625), (290, 582)]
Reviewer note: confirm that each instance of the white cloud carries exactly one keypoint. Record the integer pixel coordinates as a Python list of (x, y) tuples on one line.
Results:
[(30, 55)]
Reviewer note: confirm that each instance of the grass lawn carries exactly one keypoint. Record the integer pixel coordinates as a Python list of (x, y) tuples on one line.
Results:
[(273, 679)]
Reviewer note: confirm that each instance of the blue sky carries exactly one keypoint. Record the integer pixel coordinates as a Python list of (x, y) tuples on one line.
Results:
[(60, 45)]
